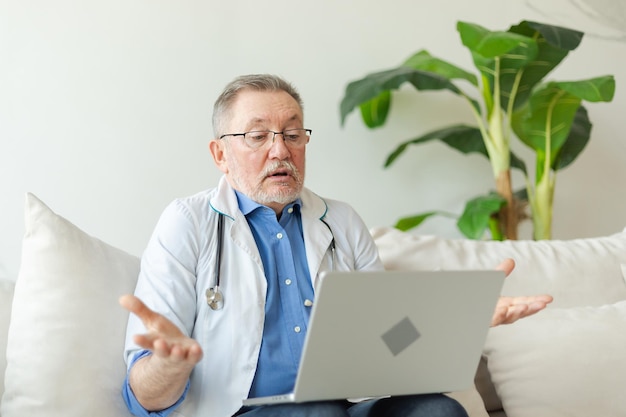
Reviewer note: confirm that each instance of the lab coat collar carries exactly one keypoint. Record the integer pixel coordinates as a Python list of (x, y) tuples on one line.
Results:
[(225, 201), (317, 235)]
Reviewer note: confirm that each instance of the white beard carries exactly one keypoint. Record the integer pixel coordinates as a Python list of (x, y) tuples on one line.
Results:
[(281, 196)]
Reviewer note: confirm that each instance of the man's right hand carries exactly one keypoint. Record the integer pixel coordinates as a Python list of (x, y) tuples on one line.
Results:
[(158, 380), (163, 338)]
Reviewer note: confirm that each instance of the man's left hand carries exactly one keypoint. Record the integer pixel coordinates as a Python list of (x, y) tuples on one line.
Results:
[(510, 309)]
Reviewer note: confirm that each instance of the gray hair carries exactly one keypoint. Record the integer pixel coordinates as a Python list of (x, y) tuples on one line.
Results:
[(256, 82)]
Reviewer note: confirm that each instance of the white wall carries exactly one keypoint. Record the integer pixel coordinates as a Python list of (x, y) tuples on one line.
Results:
[(105, 107)]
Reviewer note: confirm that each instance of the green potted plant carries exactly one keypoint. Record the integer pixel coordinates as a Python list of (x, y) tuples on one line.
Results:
[(510, 101)]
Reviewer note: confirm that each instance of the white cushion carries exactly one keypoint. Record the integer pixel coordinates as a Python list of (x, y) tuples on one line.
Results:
[(6, 298), (562, 362), (576, 272), (64, 353)]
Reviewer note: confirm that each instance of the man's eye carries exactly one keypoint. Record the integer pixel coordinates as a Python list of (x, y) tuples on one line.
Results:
[(258, 136), (293, 135)]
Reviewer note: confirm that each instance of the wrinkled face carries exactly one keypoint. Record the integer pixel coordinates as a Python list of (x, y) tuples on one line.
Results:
[(272, 175)]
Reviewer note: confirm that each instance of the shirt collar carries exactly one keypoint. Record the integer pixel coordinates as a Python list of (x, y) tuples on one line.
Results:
[(247, 205)]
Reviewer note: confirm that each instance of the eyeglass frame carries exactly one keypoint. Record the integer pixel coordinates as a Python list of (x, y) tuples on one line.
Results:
[(288, 144)]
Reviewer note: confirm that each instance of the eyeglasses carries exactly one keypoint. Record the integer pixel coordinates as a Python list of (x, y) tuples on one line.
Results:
[(293, 138)]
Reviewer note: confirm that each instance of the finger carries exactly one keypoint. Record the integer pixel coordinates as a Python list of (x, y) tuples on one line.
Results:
[(188, 353), (161, 348), (543, 298), (508, 315), (507, 266), (178, 351), (516, 312), (498, 316), (145, 341), (195, 353), (137, 307), (536, 306)]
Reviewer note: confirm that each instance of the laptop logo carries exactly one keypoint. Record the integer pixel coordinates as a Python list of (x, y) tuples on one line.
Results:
[(400, 336)]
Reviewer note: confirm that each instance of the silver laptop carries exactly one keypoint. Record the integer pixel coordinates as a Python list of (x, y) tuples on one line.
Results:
[(375, 334)]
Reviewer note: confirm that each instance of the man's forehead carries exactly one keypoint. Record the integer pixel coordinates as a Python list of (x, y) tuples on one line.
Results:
[(259, 107), (253, 98), (261, 120)]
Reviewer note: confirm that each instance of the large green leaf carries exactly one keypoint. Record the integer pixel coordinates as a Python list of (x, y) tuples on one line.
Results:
[(593, 90), (410, 222), (557, 36), (466, 139), (553, 43), (534, 50), (544, 123), (372, 85), (490, 44), (499, 56), (374, 112), (463, 138), (550, 113), (478, 211), (424, 61), (578, 137)]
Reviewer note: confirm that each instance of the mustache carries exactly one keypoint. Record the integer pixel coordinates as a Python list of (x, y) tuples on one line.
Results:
[(286, 165)]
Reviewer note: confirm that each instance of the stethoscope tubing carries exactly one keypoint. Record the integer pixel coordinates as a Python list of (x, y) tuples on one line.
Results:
[(220, 244), (214, 296)]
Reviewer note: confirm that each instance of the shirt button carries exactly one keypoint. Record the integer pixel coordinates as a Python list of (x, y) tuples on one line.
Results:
[(290, 210), (308, 303), (279, 235), (288, 281), (297, 329)]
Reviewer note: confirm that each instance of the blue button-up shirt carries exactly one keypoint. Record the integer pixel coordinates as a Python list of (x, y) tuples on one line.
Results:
[(289, 294)]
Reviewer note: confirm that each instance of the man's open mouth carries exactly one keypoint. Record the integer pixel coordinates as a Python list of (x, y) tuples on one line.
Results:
[(279, 174)]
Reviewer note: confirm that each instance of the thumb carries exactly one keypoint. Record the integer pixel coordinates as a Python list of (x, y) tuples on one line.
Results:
[(507, 266)]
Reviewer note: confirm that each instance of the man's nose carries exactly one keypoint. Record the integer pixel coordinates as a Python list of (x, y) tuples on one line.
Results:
[(278, 147)]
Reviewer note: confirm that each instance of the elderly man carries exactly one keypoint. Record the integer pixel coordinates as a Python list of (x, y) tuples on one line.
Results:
[(229, 275)]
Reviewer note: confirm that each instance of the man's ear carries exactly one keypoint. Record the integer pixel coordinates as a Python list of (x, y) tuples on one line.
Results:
[(216, 147)]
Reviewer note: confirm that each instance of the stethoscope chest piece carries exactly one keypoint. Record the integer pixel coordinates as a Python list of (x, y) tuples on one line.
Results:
[(214, 298)]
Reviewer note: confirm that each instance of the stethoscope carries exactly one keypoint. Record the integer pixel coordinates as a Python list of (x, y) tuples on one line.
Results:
[(214, 296)]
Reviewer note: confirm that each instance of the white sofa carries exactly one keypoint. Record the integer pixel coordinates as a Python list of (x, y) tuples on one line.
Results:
[(64, 342)]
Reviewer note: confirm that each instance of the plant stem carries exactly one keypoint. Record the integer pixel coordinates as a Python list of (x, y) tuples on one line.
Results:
[(542, 207), (501, 161), (508, 214), (544, 185), (497, 145)]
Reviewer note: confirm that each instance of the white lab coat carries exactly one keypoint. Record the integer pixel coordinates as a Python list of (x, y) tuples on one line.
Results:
[(179, 265)]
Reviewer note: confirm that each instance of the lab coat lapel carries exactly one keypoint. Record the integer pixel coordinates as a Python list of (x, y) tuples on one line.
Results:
[(317, 236), (236, 226)]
